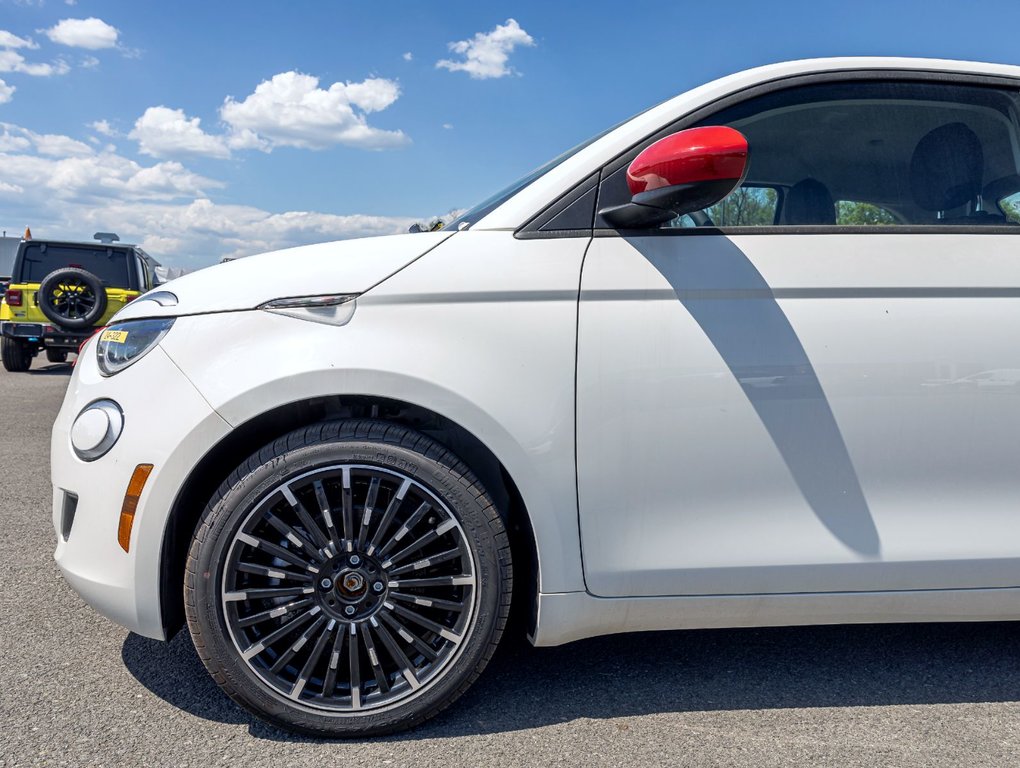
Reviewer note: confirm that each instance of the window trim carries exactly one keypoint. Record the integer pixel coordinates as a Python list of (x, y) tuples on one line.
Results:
[(814, 78)]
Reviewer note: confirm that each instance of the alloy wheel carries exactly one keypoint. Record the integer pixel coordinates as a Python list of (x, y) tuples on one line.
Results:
[(349, 588)]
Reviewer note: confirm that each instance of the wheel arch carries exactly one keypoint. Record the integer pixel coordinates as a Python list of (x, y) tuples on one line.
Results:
[(241, 442)]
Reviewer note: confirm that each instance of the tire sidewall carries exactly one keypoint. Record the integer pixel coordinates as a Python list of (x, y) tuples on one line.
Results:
[(229, 512)]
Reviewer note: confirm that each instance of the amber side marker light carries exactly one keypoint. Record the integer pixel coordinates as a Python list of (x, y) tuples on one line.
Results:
[(127, 510)]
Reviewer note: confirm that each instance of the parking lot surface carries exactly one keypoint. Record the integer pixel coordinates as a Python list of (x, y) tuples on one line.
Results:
[(77, 690)]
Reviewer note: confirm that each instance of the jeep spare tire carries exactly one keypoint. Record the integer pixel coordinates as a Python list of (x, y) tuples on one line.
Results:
[(72, 298)]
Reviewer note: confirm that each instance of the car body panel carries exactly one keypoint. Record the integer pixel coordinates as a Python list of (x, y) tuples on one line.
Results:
[(172, 436), (30, 312), (769, 392), (350, 266), (442, 335)]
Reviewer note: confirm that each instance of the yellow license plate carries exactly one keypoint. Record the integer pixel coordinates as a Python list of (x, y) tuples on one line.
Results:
[(117, 337)]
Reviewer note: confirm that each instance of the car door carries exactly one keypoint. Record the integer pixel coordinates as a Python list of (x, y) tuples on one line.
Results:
[(776, 401)]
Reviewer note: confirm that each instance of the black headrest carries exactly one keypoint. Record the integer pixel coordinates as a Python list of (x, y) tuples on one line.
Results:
[(946, 169), (809, 202)]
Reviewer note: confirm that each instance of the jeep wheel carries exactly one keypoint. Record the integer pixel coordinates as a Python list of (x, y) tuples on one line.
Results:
[(56, 355), (17, 355), (72, 298), (352, 578)]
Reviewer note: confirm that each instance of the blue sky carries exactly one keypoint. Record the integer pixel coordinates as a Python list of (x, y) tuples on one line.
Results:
[(322, 120)]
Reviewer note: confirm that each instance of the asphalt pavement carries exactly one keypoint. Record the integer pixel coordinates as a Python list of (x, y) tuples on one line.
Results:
[(77, 690)]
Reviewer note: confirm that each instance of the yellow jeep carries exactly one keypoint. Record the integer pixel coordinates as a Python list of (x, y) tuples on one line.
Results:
[(60, 292)]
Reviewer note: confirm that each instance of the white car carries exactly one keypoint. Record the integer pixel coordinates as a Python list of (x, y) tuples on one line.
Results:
[(672, 379)]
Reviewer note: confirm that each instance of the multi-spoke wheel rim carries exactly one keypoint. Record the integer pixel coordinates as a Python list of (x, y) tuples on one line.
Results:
[(73, 298), (349, 588)]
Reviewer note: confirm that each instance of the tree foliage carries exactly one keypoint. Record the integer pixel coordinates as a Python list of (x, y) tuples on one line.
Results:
[(849, 214)]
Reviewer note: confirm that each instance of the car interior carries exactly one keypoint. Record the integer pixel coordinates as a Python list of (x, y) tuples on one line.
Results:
[(923, 156)]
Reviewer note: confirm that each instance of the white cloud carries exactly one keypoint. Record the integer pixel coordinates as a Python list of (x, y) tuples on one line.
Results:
[(6, 92), (103, 127), (487, 53), (13, 139), (12, 61), (60, 168), (9, 40), (165, 132), (75, 190), (55, 145), (89, 62), (371, 95), (448, 126), (209, 231), (292, 110), (91, 33), (408, 56)]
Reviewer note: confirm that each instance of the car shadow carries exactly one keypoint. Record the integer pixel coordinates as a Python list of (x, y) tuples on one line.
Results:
[(667, 672), (52, 369), (719, 287)]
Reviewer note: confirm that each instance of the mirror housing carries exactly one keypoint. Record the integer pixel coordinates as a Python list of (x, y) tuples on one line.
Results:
[(682, 173)]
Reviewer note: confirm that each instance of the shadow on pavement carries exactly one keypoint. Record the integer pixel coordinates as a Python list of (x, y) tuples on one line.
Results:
[(694, 671), (52, 369)]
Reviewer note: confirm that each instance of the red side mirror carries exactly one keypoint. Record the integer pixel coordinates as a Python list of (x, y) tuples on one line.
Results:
[(682, 173), (714, 154)]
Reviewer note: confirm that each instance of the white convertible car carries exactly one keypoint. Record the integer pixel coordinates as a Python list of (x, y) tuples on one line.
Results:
[(678, 377)]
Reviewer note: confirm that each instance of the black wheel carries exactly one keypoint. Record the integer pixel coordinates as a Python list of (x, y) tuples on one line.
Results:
[(17, 355), (350, 579), (72, 298), (56, 355)]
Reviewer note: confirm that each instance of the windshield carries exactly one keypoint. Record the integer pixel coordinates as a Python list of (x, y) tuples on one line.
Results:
[(490, 204), (110, 265)]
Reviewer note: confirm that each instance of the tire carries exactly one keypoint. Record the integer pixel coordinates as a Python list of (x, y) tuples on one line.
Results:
[(56, 355), (417, 646), (17, 355), (72, 298)]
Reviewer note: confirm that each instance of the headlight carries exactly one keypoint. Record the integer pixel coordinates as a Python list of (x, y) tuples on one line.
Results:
[(122, 344), (334, 309)]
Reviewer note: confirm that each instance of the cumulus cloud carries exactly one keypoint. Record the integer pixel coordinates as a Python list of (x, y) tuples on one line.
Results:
[(9, 40), (65, 188), (92, 34), (6, 92), (165, 132), (56, 145), (408, 56), (486, 55), (103, 127), (208, 231), (292, 110), (12, 61), (64, 169)]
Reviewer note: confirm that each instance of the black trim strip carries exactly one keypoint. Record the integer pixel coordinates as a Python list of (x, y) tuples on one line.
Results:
[(668, 294), (831, 229)]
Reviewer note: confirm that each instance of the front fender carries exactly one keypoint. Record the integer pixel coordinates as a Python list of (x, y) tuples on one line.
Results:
[(263, 361)]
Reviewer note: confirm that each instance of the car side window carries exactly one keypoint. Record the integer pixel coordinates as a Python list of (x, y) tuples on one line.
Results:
[(749, 206), (1010, 207), (855, 213), (868, 153)]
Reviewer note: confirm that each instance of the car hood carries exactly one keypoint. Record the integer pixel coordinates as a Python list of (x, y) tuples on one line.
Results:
[(346, 266)]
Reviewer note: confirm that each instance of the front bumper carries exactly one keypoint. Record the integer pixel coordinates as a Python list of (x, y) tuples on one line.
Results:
[(166, 424), (45, 335)]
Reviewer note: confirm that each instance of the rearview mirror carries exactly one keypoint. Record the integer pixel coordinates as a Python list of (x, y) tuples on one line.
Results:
[(682, 173)]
